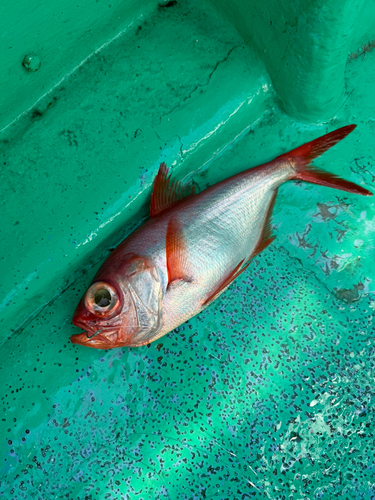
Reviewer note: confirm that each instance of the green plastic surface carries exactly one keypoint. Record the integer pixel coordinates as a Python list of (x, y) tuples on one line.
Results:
[(267, 393)]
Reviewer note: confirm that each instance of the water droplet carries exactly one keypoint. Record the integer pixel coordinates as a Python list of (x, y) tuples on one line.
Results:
[(31, 63)]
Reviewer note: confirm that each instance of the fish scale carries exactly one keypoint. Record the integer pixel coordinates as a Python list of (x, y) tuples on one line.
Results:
[(235, 214), (191, 249)]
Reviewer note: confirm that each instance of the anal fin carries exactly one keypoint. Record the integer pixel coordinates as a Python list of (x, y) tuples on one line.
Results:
[(261, 246), (266, 237), (226, 282)]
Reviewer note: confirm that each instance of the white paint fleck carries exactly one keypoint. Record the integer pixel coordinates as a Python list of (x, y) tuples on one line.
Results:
[(362, 216)]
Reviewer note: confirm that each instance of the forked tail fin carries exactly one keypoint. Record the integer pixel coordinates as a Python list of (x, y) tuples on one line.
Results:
[(302, 157)]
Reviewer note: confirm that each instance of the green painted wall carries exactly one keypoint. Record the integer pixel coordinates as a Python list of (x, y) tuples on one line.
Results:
[(270, 390), (305, 45), (62, 34)]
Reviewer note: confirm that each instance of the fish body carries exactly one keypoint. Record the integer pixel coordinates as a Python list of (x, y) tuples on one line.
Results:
[(191, 249)]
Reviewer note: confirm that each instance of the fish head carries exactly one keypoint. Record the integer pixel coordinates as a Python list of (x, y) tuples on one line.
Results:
[(122, 307)]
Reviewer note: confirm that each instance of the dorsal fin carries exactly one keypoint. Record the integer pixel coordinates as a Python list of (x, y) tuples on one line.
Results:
[(167, 191)]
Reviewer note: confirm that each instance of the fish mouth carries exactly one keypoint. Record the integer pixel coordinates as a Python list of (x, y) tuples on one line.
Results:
[(105, 337), (97, 341), (100, 338)]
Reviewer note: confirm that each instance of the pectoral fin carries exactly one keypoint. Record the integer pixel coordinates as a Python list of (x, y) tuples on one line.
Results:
[(177, 265)]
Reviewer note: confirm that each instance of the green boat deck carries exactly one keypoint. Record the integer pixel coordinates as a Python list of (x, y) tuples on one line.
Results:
[(269, 393)]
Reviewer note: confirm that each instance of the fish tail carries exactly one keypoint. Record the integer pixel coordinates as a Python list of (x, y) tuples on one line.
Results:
[(302, 157)]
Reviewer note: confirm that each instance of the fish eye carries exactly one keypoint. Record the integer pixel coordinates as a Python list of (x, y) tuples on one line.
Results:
[(101, 299)]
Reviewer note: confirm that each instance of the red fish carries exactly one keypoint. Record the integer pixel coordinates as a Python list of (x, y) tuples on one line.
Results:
[(191, 249)]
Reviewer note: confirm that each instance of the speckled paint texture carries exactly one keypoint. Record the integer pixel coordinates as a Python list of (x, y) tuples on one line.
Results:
[(268, 393)]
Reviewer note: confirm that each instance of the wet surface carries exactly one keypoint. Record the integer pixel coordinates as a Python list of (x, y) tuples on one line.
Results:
[(269, 393)]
